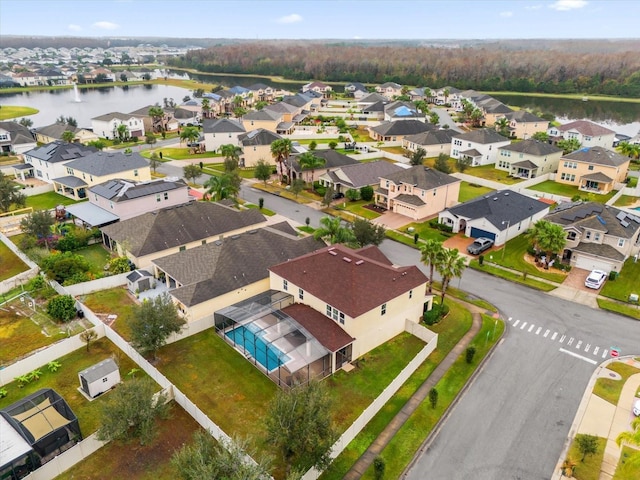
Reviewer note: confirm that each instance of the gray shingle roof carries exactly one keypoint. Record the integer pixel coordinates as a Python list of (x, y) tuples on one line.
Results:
[(586, 127), (113, 115), (373, 98), (70, 181), (599, 249), (597, 177), (108, 163), (410, 199), (19, 133), (211, 270), (483, 136), (172, 227), (56, 130), (500, 206), (60, 151), (423, 177), (403, 127), (595, 216), (361, 174), (525, 117), (597, 155), (525, 164), (332, 159), (532, 147), (435, 137), (268, 115), (121, 190), (259, 136), (222, 125)]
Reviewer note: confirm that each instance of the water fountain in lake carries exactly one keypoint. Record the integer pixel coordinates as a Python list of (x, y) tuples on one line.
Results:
[(76, 93)]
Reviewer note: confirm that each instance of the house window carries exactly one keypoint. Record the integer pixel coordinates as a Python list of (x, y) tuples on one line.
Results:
[(182, 248), (285, 285), (158, 197), (135, 173), (410, 293), (621, 242), (95, 197), (383, 309), (587, 235), (571, 236), (70, 171), (596, 236), (204, 242), (587, 138), (334, 313), (301, 294), (590, 167), (166, 195), (104, 380)]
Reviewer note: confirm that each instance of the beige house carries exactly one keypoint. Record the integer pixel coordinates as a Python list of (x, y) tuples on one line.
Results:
[(171, 230), (359, 291), (524, 125), (417, 192), (598, 236), (528, 159), (589, 134), (256, 145), (598, 170), (266, 119), (51, 133), (432, 142), (389, 90)]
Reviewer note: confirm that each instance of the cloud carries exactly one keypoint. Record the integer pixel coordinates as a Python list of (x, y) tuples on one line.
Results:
[(533, 7), (506, 14), (293, 18), (566, 5), (106, 25), (74, 28)]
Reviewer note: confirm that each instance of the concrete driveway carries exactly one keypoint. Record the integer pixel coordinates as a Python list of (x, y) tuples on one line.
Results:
[(392, 220)]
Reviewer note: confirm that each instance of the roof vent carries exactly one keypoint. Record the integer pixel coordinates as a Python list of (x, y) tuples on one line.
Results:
[(506, 194), (346, 259), (331, 252), (495, 198), (359, 262)]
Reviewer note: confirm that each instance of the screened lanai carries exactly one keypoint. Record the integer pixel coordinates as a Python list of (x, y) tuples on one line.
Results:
[(273, 341)]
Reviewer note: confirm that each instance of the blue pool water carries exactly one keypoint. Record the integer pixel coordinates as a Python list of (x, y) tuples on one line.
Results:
[(265, 354), (637, 208)]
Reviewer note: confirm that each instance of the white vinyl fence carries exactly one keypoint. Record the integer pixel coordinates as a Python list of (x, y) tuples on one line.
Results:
[(23, 277), (105, 283)]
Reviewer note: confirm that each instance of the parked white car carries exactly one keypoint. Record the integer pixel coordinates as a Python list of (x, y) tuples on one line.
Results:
[(636, 408), (595, 279)]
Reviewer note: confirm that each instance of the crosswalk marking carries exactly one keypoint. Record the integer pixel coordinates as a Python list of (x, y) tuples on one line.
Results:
[(546, 333), (531, 328), (538, 330), (555, 334), (516, 323), (579, 344), (604, 353), (562, 338), (570, 342), (524, 324), (586, 349), (509, 319), (595, 350)]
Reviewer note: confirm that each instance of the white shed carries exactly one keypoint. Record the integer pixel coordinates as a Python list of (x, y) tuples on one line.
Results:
[(99, 378)]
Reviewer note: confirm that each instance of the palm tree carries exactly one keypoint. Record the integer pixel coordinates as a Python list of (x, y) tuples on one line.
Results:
[(450, 265), (548, 237), (446, 94), (190, 134), (68, 136), (630, 150), (476, 117), (332, 231), (221, 187), (630, 437), (157, 115), (417, 157), (280, 151), (122, 131), (308, 161), (231, 154), (432, 252), (502, 126), (206, 107), (569, 145)]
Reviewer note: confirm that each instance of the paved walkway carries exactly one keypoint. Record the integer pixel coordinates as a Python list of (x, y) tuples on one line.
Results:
[(367, 458)]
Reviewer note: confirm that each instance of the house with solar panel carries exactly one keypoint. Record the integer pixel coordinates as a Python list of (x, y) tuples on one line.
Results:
[(599, 237)]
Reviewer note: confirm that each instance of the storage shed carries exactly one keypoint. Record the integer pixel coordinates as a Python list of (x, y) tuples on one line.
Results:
[(99, 378), (139, 281)]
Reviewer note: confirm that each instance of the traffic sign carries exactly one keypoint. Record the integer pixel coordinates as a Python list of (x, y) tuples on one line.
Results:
[(615, 352)]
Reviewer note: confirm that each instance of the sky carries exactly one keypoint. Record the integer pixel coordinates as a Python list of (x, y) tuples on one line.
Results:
[(323, 19)]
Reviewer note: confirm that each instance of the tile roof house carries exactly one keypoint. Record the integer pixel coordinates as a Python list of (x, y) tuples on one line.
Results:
[(359, 175), (480, 146), (596, 169), (209, 277), (395, 131), (369, 299), (332, 160), (15, 138), (500, 215), (433, 142), (598, 236), (589, 134), (156, 234), (417, 192), (106, 126), (528, 159), (221, 131), (256, 145), (53, 132), (524, 124)]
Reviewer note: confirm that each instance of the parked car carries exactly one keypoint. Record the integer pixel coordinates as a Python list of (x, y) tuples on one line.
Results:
[(480, 245), (636, 408), (337, 195), (595, 279)]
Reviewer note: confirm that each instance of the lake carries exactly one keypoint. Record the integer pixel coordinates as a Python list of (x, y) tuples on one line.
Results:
[(94, 101)]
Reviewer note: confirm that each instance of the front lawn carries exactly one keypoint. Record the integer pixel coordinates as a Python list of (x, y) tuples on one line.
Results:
[(570, 191), (511, 276), (632, 311), (489, 172), (425, 231), (10, 263), (625, 284), (357, 208), (114, 301), (218, 169), (469, 191), (178, 154), (609, 389), (48, 201), (589, 469)]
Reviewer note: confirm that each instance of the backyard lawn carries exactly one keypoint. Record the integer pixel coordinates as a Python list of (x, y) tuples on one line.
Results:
[(489, 172), (10, 263), (115, 301), (48, 201), (96, 255), (569, 191), (625, 201), (469, 191)]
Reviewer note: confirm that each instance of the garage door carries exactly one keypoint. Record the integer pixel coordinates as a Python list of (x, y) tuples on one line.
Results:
[(590, 263), (477, 233)]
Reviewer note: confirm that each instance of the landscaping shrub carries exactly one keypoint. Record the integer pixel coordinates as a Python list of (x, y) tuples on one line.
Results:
[(119, 265), (481, 259), (366, 193), (63, 266), (320, 190), (437, 313), (353, 194), (62, 307), (379, 466), (469, 354), (440, 226), (613, 275)]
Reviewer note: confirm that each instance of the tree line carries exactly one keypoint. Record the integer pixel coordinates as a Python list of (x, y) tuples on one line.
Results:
[(482, 67)]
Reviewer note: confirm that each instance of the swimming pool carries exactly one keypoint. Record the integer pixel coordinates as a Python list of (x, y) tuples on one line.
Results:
[(265, 354)]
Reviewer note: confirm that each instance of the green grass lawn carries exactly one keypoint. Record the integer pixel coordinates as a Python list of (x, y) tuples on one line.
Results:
[(10, 263), (394, 150), (609, 389), (469, 191), (629, 310), (96, 255), (399, 237), (179, 154), (15, 111), (277, 190), (114, 301), (425, 230), (511, 276), (307, 229), (589, 469), (218, 169), (625, 201), (65, 381), (263, 210), (626, 283), (627, 468), (48, 200), (569, 191), (357, 208), (488, 172)]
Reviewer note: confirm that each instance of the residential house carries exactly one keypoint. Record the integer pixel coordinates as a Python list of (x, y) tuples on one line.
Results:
[(396, 131), (356, 90), (402, 111), (267, 119), (589, 134), (332, 160), (290, 115), (492, 109), (359, 291), (153, 125), (221, 131), (500, 215), (15, 138), (305, 102), (53, 132), (523, 124), (375, 111), (256, 145), (421, 93), (98, 167), (358, 175), (433, 142), (262, 92), (595, 169), (447, 96), (598, 236), (418, 192), (212, 276), (371, 99), (480, 146), (106, 126), (389, 90), (52, 76), (318, 87), (48, 161), (92, 76), (217, 105), (528, 159), (119, 199)]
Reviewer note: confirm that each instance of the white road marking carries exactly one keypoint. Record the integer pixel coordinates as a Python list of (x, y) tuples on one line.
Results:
[(538, 330), (562, 338), (595, 350), (570, 342), (531, 328), (509, 319), (586, 349), (573, 354), (555, 334), (579, 344), (604, 353), (516, 323), (524, 324), (546, 333)]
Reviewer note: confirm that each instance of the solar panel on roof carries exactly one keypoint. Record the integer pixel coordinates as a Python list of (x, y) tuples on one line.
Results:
[(624, 223), (621, 215)]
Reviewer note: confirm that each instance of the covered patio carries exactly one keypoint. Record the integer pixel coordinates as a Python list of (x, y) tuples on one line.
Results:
[(70, 186), (524, 169), (91, 215)]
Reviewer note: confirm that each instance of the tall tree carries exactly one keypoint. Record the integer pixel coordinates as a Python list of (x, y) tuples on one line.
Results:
[(569, 145), (153, 322), (222, 186), (280, 151), (450, 266), (367, 233), (206, 108), (189, 134), (541, 136), (191, 172), (442, 163), (308, 161), (10, 194), (158, 118), (154, 161), (26, 122), (462, 163), (502, 127), (331, 230), (130, 412), (68, 136), (431, 255), (38, 224), (299, 425), (231, 154), (548, 237), (122, 131), (417, 157), (262, 170)]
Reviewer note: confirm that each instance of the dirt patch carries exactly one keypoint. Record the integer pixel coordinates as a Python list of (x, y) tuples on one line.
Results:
[(375, 208)]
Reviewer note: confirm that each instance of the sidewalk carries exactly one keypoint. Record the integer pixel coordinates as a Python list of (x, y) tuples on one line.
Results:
[(596, 416)]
